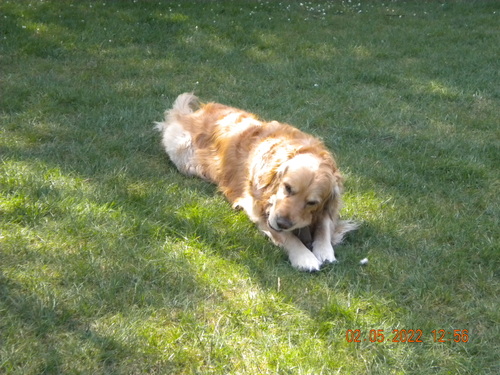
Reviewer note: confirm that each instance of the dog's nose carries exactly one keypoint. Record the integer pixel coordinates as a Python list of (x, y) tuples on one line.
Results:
[(283, 223)]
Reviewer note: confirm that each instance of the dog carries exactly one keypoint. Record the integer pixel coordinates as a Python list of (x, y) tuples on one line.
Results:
[(285, 180)]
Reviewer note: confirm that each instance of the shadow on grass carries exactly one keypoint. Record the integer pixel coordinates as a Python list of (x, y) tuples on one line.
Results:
[(46, 323)]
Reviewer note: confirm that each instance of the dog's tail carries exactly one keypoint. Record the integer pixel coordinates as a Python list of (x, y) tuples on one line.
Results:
[(183, 105), (341, 229)]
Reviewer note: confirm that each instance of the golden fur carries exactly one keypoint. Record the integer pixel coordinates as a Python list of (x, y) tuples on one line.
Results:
[(286, 181)]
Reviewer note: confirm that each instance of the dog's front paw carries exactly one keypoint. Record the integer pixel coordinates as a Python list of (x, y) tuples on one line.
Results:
[(305, 261), (324, 253)]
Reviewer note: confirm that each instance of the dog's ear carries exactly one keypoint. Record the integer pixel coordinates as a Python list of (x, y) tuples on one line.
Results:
[(334, 201), (269, 170), (265, 177)]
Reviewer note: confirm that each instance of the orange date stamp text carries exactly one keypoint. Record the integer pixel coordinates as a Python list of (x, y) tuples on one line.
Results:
[(407, 335)]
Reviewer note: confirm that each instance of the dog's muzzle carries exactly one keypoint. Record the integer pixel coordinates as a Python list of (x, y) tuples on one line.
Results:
[(280, 224)]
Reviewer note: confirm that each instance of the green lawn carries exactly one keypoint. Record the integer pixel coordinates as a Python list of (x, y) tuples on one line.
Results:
[(111, 262)]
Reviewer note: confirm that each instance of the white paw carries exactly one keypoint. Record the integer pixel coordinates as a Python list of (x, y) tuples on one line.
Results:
[(305, 261), (324, 253)]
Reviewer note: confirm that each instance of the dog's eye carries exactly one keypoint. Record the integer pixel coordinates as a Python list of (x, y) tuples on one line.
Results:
[(312, 203), (288, 189)]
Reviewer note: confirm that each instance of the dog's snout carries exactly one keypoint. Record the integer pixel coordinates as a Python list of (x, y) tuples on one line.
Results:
[(283, 223)]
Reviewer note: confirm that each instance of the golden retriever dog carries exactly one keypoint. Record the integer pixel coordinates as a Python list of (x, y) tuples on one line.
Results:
[(286, 181)]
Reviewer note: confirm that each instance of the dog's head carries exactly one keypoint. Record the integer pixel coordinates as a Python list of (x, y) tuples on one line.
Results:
[(306, 185)]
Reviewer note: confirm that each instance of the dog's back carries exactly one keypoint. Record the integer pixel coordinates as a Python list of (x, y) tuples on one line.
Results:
[(214, 141), (201, 140)]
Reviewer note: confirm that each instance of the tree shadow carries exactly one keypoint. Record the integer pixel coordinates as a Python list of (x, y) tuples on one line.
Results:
[(43, 321)]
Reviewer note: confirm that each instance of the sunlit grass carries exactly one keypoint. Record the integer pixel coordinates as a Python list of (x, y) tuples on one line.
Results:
[(113, 262)]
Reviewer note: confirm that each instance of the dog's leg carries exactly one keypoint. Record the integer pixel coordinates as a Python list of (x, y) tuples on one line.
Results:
[(179, 147), (322, 245), (300, 256), (247, 204)]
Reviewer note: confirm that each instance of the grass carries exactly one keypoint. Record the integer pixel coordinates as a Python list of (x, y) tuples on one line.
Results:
[(112, 262)]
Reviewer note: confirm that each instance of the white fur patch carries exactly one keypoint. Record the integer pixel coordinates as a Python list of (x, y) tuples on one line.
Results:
[(179, 147)]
